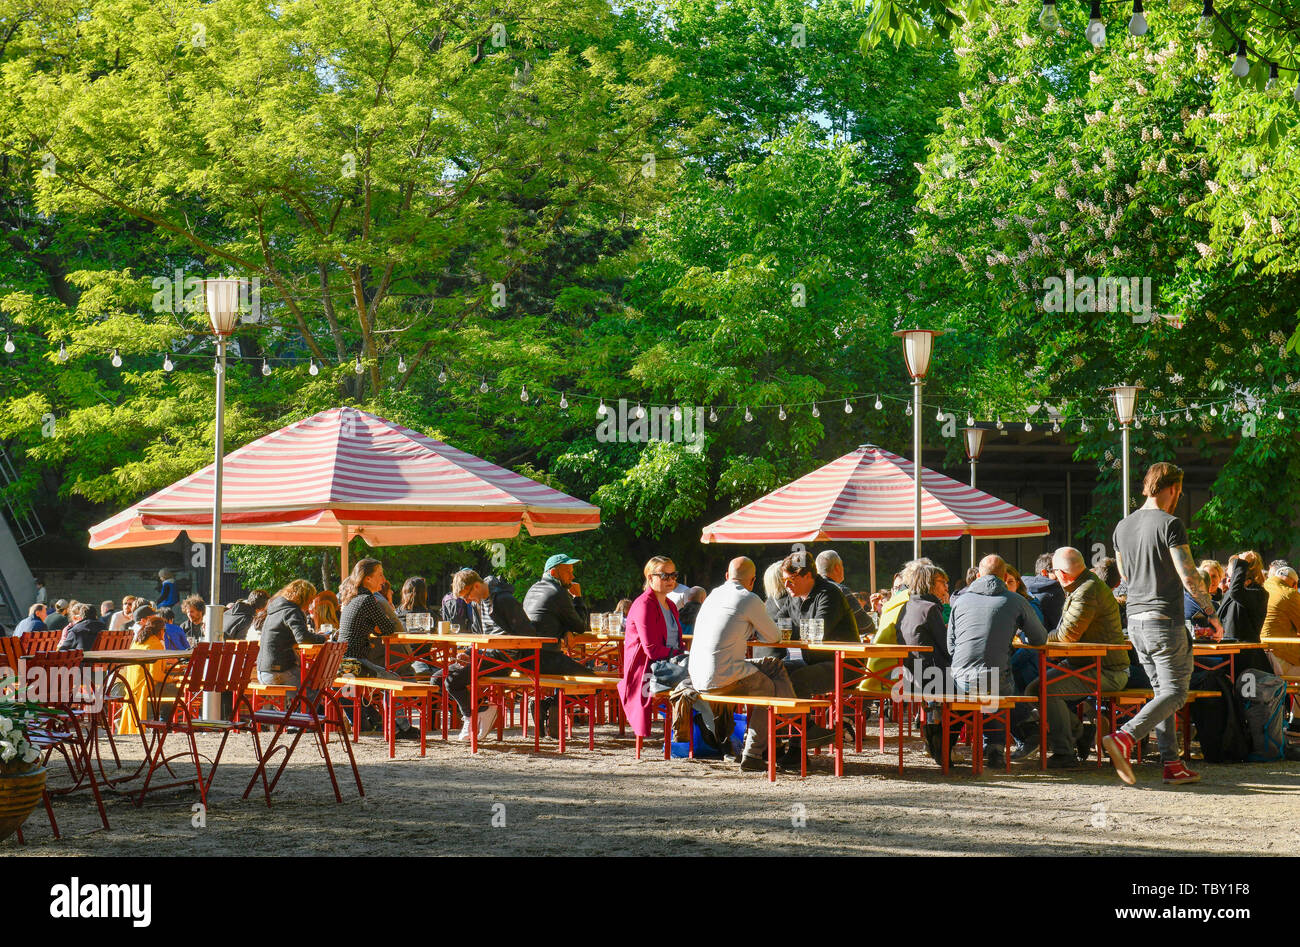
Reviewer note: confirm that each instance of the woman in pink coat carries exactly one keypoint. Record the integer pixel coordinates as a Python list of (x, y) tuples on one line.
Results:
[(653, 633)]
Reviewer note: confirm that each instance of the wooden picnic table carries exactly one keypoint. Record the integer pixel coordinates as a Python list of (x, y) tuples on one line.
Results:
[(1054, 656), (1224, 651)]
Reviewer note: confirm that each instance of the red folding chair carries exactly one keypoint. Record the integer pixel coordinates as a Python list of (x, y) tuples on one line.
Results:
[(218, 668), (62, 724), (35, 641), (11, 649), (303, 714), (114, 640)]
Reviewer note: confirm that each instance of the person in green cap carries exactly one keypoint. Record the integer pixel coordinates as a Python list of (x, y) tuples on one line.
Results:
[(555, 607)]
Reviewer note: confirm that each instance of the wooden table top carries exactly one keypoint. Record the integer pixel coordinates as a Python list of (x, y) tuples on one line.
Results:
[(1227, 647), (131, 656), (1085, 648), (498, 642)]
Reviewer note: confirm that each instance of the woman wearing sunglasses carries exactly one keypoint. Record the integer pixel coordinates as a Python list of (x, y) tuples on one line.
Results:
[(654, 656)]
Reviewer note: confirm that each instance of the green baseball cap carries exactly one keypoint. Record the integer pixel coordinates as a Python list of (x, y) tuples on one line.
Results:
[(559, 559)]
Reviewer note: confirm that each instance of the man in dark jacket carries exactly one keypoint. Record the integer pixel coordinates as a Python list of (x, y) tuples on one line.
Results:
[(983, 624), (241, 615), (555, 607), (1045, 590), (35, 620), (831, 566), (83, 633), (58, 619)]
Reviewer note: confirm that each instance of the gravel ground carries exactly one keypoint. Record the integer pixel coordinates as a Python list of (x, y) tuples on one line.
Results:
[(606, 802)]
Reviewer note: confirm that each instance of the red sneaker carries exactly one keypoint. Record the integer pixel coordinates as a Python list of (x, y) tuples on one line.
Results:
[(1176, 774), (1118, 746)]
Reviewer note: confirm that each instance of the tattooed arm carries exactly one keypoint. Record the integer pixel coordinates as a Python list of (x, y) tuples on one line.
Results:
[(1186, 567)]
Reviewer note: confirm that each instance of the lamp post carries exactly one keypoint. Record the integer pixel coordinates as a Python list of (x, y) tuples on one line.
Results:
[(917, 346), (222, 298), (1124, 398), (974, 447)]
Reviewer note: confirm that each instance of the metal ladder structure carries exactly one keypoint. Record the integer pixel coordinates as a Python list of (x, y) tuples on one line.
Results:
[(20, 527)]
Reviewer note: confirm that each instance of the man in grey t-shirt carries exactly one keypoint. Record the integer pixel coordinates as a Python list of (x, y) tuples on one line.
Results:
[(1155, 560)]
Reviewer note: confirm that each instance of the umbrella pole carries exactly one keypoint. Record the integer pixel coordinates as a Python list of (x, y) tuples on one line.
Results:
[(343, 555), (872, 588)]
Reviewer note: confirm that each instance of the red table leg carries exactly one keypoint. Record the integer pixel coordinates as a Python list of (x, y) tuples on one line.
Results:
[(838, 721), (1042, 711), (537, 698), (473, 697), (564, 723), (771, 744)]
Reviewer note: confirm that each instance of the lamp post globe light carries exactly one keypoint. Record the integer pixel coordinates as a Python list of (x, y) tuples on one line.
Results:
[(974, 447), (222, 299), (1124, 399), (918, 344)]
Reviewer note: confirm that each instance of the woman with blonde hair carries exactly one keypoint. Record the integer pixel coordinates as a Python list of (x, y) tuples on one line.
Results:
[(654, 655), (285, 628)]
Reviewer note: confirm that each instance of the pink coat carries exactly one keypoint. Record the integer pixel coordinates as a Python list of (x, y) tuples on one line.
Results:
[(646, 641)]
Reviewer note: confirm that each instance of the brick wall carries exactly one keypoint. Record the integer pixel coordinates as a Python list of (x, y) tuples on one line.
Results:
[(95, 585)]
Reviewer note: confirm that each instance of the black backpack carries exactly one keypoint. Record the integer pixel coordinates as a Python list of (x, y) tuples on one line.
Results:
[(1220, 724)]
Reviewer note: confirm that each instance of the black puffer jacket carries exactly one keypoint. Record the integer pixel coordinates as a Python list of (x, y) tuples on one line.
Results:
[(285, 627), (554, 612), (239, 618), (81, 636), (502, 613)]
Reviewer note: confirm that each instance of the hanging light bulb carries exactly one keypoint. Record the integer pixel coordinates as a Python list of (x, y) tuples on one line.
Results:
[(1049, 19), (970, 420), (938, 415), (878, 405), (748, 417), (1241, 67), (1110, 425), (999, 422), (781, 414), (677, 412), (1137, 24), (483, 386), (639, 413), (1096, 31), (602, 410), (1188, 415), (1205, 27), (401, 365), (908, 412), (1163, 420), (713, 416), (564, 402), (266, 368), (442, 377), (357, 366), (1271, 86), (313, 368), (63, 352), (848, 408), (1214, 412), (1138, 424), (116, 359), (1028, 426), (167, 363), (1056, 427), (1083, 427), (9, 343), (1281, 415), (816, 413), (523, 394)]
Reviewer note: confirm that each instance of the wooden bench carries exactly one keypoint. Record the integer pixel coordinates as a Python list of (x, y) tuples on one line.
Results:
[(786, 717), (970, 710), (575, 691), (1124, 704), (354, 688)]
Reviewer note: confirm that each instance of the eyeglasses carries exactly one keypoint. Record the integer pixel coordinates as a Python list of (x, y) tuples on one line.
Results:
[(664, 575)]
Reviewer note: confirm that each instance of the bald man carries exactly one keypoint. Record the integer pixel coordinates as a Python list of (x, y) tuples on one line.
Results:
[(983, 624), (731, 616)]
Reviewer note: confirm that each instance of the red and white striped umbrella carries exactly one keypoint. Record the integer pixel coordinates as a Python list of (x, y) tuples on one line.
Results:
[(869, 494), (345, 473)]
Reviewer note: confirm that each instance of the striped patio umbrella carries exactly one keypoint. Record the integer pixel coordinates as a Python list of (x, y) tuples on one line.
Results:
[(869, 495), (344, 473)]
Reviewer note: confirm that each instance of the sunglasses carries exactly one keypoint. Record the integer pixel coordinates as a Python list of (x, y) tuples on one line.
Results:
[(665, 575)]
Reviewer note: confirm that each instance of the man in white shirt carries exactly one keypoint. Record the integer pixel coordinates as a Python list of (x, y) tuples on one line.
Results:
[(730, 616), (121, 619)]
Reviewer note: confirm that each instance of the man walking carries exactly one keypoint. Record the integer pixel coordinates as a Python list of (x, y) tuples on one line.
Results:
[(730, 616), (1156, 561)]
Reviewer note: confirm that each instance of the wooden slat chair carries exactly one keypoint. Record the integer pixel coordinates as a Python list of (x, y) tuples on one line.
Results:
[(217, 668), (62, 725), (11, 649), (304, 715), (36, 641)]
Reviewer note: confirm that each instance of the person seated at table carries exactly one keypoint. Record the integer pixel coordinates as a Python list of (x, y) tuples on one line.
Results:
[(980, 633), (1245, 607), (366, 617), (778, 603), (324, 612), (621, 609), (831, 567), (57, 618), (919, 622), (106, 609), (815, 597), (972, 574), (193, 610), (470, 590), (121, 618), (83, 634), (1090, 614), (555, 607), (1218, 577), (241, 616), (144, 680), (285, 628), (35, 620), (688, 611), (1282, 620), (142, 611), (654, 655), (174, 638), (1042, 587), (731, 616)]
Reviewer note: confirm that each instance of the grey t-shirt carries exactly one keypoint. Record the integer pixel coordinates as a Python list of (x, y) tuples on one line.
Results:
[(1145, 540)]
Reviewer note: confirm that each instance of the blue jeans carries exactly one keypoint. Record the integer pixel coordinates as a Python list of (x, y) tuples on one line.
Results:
[(1163, 648)]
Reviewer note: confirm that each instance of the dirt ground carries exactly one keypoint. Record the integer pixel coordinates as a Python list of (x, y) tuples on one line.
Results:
[(606, 802)]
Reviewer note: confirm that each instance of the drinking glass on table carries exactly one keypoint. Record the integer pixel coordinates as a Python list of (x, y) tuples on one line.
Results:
[(597, 622), (787, 629), (816, 630)]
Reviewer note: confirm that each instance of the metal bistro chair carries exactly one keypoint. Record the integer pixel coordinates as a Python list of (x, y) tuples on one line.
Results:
[(303, 714), (219, 668)]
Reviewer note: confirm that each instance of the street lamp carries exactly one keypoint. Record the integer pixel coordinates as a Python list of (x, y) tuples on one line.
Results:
[(917, 346), (222, 298), (974, 447), (1124, 398)]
